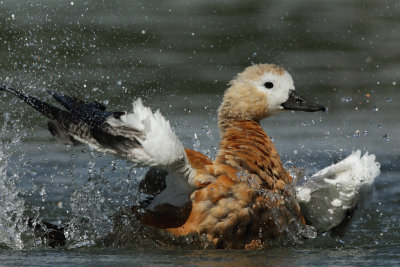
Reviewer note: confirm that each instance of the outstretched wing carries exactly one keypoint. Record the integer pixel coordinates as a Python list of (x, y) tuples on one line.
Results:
[(142, 136)]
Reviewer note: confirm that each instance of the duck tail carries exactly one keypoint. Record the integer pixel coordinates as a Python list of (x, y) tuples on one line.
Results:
[(331, 195)]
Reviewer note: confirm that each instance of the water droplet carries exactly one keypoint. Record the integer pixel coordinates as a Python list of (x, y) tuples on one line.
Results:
[(349, 99), (365, 133), (42, 191), (143, 31), (119, 82), (72, 3), (340, 241), (386, 137), (388, 100), (379, 126), (394, 83), (375, 108)]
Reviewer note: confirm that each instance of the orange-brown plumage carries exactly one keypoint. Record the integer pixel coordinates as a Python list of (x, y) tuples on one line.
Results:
[(233, 208)]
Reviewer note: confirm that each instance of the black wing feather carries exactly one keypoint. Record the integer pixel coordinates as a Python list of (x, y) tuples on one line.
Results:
[(80, 121)]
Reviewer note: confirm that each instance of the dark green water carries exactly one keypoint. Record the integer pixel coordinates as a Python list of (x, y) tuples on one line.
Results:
[(178, 56)]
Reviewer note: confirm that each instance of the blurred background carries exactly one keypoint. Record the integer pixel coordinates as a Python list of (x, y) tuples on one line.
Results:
[(178, 56)]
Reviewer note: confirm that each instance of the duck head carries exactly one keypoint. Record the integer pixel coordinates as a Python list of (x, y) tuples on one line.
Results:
[(259, 92)]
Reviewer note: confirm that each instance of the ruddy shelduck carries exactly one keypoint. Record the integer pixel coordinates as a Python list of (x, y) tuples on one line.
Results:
[(242, 199)]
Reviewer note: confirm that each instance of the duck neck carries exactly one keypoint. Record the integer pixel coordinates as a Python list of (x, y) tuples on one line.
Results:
[(246, 147)]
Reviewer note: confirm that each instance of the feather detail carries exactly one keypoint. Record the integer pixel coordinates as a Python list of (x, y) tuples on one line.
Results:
[(332, 193), (249, 198)]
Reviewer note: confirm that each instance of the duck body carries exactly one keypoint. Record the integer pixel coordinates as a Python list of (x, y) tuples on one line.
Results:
[(244, 196), (242, 199)]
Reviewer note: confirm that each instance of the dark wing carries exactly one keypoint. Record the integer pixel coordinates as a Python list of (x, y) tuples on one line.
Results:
[(81, 122)]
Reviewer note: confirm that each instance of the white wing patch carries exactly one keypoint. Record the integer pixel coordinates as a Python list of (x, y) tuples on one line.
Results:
[(159, 144), (330, 193), (156, 143)]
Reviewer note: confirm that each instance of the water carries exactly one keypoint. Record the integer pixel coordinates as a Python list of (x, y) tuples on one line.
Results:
[(178, 57)]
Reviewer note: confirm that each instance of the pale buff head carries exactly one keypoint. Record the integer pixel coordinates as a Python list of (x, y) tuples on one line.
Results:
[(256, 93)]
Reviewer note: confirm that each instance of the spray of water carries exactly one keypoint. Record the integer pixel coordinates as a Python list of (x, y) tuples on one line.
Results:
[(11, 204)]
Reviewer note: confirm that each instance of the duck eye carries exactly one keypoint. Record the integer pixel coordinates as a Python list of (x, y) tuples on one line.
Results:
[(268, 85)]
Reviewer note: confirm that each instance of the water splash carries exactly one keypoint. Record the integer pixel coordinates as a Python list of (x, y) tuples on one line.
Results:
[(91, 213), (11, 209), (110, 186), (12, 206)]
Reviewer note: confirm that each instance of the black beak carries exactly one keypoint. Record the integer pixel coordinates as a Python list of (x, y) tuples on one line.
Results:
[(296, 102)]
